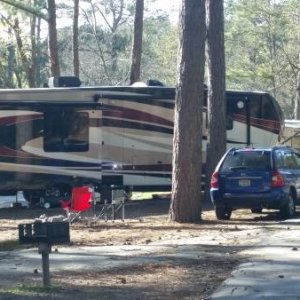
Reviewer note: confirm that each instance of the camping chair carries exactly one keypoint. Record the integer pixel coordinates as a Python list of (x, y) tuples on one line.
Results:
[(81, 201), (114, 205)]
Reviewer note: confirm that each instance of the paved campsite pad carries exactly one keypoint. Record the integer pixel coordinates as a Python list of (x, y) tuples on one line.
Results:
[(145, 257)]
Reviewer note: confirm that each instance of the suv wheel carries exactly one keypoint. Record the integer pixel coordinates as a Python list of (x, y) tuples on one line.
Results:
[(288, 210), (223, 213)]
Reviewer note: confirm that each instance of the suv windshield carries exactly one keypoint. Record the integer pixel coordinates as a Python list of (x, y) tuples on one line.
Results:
[(245, 160)]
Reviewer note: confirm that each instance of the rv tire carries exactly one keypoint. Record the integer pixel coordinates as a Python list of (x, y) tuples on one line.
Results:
[(47, 205)]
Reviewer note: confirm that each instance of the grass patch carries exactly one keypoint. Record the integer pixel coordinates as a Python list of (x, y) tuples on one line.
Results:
[(148, 195), (29, 290), (10, 245)]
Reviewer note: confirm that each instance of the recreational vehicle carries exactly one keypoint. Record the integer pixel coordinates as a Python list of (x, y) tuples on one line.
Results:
[(56, 137)]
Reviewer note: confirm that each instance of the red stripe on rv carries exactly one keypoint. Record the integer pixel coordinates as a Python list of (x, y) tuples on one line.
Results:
[(268, 125), (137, 115), (5, 151), (12, 120)]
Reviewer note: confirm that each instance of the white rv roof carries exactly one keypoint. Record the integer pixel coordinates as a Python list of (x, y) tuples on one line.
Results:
[(60, 94)]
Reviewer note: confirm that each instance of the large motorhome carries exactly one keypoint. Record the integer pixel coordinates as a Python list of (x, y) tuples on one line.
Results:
[(54, 138)]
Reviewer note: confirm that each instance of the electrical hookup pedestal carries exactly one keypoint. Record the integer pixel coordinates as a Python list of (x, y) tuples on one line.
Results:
[(45, 235)]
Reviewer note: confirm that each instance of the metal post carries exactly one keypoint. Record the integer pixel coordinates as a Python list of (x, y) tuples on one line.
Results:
[(113, 207), (123, 209), (105, 210), (45, 249)]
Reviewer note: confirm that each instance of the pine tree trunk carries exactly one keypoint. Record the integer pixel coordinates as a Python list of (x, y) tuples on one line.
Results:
[(297, 98), (52, 39), (216, 139), (32, 68), (10, 65), (39, 81), (75, 39), (187, 143), (135, 71), (27, 63)]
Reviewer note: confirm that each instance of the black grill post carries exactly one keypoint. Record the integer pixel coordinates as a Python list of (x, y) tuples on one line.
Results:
[(45, 249), (44, 235)]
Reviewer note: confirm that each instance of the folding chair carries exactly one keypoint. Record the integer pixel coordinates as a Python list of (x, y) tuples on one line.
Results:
[(81, 201), (118, 203), (115, 204)]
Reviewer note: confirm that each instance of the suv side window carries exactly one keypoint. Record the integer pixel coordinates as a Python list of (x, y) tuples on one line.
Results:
[(297, 160), (287, 160), (279, 159), (290, 161)]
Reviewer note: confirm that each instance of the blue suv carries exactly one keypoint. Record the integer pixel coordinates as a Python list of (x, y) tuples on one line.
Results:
[(256, 178)]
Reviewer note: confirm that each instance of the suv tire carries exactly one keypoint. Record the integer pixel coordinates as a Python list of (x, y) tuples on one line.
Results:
[(223, 213), (288, 210)]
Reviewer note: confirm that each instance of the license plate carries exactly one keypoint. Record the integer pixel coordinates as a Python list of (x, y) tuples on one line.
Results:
[(244, 182)]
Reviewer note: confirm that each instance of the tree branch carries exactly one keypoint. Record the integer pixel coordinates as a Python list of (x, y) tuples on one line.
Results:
[(31, 10)]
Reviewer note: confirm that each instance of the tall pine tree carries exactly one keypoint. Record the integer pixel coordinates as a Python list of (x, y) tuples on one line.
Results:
[(216, 107), (187, 143)]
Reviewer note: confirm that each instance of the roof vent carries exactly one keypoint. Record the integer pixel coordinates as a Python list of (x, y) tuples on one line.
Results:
[(154, 82), (64, 81), (139, 84)]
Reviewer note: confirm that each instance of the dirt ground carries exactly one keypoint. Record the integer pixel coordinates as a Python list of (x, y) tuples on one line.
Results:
[(146, 222)]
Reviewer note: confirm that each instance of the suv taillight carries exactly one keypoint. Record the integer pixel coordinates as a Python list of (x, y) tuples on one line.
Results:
[(214, 182), (277, 179)]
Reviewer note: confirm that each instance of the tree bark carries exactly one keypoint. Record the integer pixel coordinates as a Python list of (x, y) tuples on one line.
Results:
[(27, 63), (135, 72), (187, 142), (297, 98), (75, 39), (10, 65), (32, 68), (52, 39), (117, 13), (216, 139), (39, 81)]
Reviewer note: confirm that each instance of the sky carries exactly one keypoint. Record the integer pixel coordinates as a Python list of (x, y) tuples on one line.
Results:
[(171, 7)]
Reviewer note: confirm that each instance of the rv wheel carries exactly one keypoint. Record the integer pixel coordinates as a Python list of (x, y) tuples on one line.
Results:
[(58, 190), (47, 205)]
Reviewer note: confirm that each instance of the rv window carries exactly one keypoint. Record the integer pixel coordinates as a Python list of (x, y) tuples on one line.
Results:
[(235, 105), (66, 131), (268, 110)]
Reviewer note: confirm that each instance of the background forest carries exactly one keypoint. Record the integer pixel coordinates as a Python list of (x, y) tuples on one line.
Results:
[(262, 44)]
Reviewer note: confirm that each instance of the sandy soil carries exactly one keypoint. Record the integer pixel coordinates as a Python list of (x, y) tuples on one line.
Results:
[(145, 223)]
